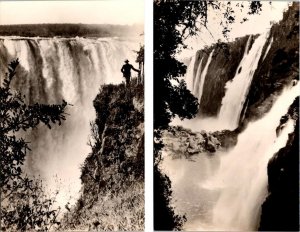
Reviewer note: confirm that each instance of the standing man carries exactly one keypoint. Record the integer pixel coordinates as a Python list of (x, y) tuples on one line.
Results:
[(126, 70)]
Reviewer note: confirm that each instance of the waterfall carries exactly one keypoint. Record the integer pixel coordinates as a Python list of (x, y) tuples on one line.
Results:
[(268, 48), (229, 195), (196, 78), (242, 195), (200, 79), (190, 73), (52, 69), (238, 88), (195, 83)]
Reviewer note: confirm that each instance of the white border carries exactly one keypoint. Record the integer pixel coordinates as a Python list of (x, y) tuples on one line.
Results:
[(148, 8)]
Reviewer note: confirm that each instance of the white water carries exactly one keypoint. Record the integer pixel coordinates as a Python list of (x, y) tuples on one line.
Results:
[(230, 197), (190, 73), (268, 48), (196, 78), (71, 69), (196, 83), (238, 88), (202, 77)]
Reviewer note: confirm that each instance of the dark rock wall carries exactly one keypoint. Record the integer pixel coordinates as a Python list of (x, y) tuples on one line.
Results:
[(280, 66), (222, 68), (280, 211)]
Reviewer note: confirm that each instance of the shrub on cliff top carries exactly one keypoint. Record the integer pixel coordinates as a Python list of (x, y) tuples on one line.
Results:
[(24, 204)]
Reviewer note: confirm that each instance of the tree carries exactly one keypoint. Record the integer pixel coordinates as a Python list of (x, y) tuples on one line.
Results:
[(140, 60), (174, 21), (24, 204)]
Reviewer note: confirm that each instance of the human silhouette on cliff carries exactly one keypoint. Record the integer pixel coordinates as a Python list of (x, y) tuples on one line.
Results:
[(126, 70)]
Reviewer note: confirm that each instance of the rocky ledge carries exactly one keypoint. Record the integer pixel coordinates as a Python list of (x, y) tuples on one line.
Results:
[(183, 142)]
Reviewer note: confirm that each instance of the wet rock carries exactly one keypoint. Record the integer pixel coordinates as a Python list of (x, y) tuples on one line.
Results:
[(280, 211), (279, 68), (184, 142)]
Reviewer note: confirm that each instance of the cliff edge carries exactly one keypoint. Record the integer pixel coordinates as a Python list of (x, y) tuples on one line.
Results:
[(112, 193)]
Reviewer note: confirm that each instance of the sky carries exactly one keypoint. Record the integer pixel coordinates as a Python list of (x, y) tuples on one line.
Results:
[(256, 24), (90, 12)]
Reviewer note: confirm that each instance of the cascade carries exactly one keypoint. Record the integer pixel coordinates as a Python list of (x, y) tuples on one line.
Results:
[(200, 77), (196, 77), (242, 195), (225, 190), (238, 88), (73, 69), (227, 196), (190, 73)]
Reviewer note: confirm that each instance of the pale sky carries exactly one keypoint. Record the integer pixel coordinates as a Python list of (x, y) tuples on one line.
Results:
[(256, 24), (90, 12)]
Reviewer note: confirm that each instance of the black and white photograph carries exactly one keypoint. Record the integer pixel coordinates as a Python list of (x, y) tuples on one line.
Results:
[(226, 115), (72, 115)]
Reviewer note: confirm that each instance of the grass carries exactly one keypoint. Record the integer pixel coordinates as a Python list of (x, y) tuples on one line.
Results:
[(113, 211)]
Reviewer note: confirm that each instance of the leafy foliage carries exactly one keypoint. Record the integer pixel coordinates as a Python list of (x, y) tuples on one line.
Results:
[(140, 54), (164, 218), (24, 205), (114, 132)]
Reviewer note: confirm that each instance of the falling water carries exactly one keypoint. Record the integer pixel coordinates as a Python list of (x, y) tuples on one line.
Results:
[(73, 69), (200, 79), (196, 78), (233, 193), (190, 73), (238, 88), (268, 48)]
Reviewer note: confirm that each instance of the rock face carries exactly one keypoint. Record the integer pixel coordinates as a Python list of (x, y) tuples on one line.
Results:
[(112, 194), (280, 66), (225, 60), (280, 211)]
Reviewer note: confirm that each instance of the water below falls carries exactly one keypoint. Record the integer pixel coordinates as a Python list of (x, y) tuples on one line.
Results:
[(52, 69), (225, 191)]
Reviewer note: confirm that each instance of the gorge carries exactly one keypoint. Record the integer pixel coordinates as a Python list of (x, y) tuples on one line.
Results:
[(245, 88), (73, 69)]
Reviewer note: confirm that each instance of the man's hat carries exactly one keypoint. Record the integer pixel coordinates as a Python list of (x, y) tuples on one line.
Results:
[(126, 61)]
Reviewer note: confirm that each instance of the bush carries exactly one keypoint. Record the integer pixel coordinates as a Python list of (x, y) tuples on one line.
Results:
[(24, 204)]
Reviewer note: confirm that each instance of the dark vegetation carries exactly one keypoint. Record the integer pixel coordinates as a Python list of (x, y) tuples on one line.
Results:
[(113, 173), (70, 30), (117, 122), (24, 203), (174, 21)]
